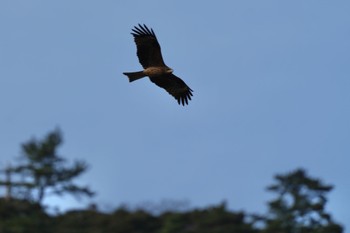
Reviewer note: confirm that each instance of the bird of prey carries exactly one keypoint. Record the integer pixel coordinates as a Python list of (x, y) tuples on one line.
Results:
[(150, 57)]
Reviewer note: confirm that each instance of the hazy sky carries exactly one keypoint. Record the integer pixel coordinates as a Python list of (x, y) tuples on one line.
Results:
[(271, 83)]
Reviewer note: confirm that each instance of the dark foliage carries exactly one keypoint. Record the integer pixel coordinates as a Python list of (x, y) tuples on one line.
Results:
[(21, 216)]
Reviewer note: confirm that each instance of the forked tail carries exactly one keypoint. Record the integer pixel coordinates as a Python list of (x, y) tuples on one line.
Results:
[(134, 75)]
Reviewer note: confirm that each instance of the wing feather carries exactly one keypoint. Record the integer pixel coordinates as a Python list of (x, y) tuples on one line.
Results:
[(148, 48), (175, 87)]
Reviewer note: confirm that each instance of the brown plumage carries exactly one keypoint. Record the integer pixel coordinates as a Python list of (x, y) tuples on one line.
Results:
[(150, 57)]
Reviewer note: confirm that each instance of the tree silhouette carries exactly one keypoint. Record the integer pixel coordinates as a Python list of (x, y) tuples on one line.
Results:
[(43, 170), (299, 206)]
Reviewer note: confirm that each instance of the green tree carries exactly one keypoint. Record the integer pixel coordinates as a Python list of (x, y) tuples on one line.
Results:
[(299, 206), (45, 172)]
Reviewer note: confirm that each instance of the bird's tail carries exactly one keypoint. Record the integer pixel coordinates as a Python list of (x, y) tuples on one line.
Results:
[(134, 75)]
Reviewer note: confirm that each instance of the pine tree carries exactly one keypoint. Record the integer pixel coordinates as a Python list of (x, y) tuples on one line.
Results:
[(43, 171), (299, 206)]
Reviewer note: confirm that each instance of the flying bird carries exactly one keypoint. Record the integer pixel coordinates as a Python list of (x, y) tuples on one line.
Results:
[(150, 57)]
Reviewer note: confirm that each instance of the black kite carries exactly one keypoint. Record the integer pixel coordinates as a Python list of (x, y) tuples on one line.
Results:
[(150, 57)]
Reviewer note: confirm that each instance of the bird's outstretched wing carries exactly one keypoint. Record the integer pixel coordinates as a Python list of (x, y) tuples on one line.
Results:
[(148, 48), (174, 86)]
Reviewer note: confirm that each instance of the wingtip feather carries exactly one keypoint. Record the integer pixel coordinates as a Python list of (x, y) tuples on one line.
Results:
[(142, 30)]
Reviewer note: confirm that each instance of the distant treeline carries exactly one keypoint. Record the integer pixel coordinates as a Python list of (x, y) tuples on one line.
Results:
[(22, 216), (298, 206)]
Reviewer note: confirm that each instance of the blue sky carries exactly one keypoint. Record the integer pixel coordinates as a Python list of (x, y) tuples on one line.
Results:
[(271, 94)]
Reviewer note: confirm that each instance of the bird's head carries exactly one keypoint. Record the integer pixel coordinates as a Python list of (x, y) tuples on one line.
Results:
[(169, 70)]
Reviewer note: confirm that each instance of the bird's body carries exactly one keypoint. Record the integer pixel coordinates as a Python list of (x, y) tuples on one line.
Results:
[(150, 57), (155, 71)]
